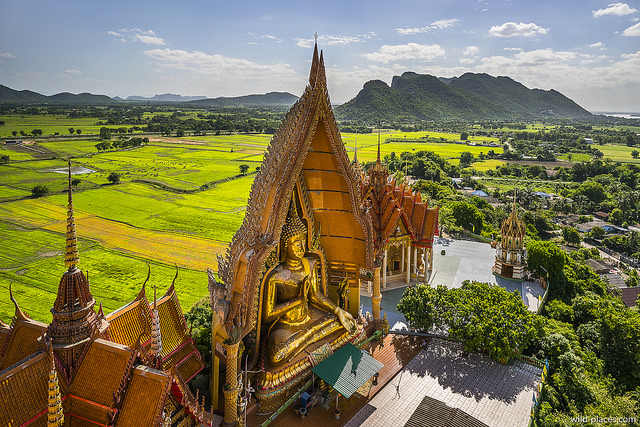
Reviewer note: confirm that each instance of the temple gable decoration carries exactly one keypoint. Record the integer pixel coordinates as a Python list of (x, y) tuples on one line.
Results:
[(306, 166)]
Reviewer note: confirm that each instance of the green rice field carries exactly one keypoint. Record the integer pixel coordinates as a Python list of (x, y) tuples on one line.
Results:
[(182, 194)]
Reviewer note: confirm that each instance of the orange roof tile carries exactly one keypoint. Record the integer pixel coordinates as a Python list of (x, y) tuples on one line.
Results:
[(101, 371), (21, 342), (23, 390), (145, 397), (130, 322)]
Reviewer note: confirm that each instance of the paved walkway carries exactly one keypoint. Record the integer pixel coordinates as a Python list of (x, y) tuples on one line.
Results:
[(463, 260), (497, 395)]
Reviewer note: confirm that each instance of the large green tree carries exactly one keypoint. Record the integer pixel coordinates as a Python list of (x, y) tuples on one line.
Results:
[(467, 216), (482, 316)]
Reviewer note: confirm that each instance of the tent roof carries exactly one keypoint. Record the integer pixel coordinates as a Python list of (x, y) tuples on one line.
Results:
[(347, 369)]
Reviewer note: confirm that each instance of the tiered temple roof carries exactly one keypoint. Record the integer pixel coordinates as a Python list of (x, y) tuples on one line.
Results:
[(391, 203), (104, 373)]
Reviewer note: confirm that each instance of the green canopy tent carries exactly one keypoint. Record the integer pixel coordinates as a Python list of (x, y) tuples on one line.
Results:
[(347, 369)]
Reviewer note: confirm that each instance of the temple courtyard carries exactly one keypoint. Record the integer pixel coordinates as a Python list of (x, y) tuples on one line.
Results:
[(463, 260)]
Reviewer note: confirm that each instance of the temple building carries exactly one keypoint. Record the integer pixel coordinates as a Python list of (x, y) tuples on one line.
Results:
[(130, 368), (511, 253), (404, 224), (287, 295)]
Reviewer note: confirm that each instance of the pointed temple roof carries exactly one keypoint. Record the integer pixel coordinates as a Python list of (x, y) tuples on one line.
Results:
[(391, 203), (100, 380), (306, 151), (512, 226)]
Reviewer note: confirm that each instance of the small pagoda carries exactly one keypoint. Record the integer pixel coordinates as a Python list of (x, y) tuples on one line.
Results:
[(511, 253)]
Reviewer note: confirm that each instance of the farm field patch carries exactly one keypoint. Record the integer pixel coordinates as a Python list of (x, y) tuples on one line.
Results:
[(189, 252), (115, 280)]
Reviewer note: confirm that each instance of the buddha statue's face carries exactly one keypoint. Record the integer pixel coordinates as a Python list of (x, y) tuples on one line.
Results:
[(295, 247)]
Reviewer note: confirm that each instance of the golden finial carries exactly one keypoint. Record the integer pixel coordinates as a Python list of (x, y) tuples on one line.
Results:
[(71, 256), (55, 417)]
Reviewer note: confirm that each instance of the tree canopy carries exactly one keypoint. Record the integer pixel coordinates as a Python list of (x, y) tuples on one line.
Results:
[(482, 316)]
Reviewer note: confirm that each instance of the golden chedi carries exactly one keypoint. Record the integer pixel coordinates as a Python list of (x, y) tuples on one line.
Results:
[(296, 313)]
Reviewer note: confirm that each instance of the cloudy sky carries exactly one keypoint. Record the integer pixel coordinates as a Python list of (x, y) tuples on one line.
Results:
[(587, 49)]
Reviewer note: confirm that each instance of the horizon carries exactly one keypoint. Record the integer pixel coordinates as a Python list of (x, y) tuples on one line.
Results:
[(586, 50)]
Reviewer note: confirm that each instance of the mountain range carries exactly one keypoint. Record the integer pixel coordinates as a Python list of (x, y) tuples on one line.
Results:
[(27, 97), (410, 97), (471, 96)]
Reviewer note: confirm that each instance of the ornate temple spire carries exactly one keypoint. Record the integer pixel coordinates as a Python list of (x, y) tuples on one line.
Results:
[(378, 160), (55, 418), (74, 320), (313, 73), (156, 337), (378, 174), (71, 256), (355, 152)]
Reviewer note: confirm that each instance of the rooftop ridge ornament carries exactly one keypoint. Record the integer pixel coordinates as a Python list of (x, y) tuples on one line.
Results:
[(55, 417), (71, 255), (156, 336), (19, 313)]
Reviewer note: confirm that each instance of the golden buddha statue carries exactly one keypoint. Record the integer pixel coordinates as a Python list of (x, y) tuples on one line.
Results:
[(296, 313)]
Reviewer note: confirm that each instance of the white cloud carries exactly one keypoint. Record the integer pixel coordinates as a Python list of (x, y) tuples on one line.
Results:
[(138, 35), (216, 64), (470, 54), (437, 25), (598, 44), (443, 23), (72, 72), (511, 29), (333, 40), (513, 49), (470, 51), (270, 37), (7, 55), (150, 39), (618, 9), (389, 53), (632, 31)]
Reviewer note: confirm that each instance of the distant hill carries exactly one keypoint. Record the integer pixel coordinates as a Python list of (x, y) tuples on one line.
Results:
[(268, 99), (413, 96), (11, 96), (166, 97)]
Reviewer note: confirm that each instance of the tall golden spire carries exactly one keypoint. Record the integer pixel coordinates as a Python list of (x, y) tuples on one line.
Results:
[(378, 144), (156, 337), (71, 256), (55, 418), (355, 153)]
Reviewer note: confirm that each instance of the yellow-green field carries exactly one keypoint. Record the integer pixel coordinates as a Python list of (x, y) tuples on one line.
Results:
[(179, 202)]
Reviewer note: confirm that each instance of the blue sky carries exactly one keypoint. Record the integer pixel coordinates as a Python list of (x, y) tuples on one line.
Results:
[(587, 49)]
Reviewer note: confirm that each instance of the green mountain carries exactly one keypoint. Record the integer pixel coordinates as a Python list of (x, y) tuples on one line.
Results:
[(23, 97), (11, 96), (517, 98), (413, 96), (268, 99)]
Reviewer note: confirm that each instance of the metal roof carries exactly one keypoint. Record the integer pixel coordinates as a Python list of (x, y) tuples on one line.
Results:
[(347, 369)]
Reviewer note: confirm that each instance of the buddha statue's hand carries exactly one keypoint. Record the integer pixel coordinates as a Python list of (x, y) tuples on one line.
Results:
[(304, 289), (346, 320)]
